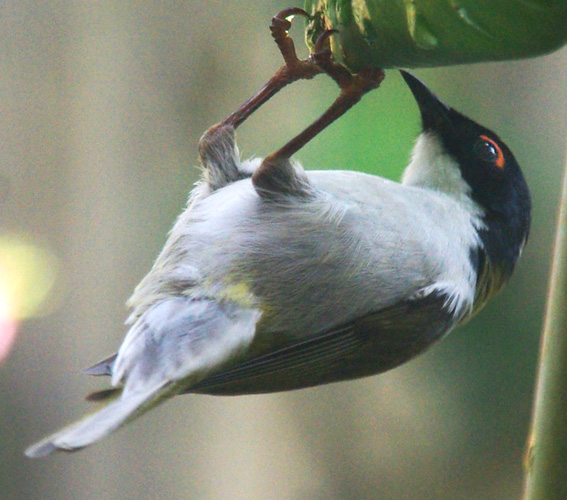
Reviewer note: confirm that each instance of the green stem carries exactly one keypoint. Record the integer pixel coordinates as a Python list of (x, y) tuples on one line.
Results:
[(546, 463)]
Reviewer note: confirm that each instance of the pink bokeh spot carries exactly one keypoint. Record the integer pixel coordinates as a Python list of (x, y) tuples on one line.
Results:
[(8, 331), (8, 324)]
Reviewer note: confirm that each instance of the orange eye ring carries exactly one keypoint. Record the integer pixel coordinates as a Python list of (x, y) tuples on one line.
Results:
[(500, 160)]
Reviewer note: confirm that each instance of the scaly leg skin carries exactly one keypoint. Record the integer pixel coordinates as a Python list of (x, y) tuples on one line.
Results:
[(269, 176)]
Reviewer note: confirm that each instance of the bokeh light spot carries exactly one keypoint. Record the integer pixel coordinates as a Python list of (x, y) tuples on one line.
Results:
[(27, 276)]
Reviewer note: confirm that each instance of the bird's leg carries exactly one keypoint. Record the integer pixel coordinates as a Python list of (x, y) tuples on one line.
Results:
[(362, 82), (220, 137), (353, 87), (217, 149), (294, 68)]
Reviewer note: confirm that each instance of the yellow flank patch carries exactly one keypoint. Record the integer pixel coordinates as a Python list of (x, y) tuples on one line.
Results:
[(239, 292)]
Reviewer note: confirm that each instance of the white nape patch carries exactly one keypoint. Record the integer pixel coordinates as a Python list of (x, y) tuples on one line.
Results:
[(432, 168)]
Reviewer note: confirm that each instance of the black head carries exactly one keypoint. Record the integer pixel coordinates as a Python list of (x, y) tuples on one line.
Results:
[(488, 166)]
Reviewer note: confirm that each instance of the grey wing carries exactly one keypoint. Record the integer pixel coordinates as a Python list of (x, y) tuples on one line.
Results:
[(365, 346), (169, 340), (182, 338)]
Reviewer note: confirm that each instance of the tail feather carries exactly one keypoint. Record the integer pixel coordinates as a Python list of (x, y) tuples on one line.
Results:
[(172, 346), (103, 395), (97, 425), (102, 368)]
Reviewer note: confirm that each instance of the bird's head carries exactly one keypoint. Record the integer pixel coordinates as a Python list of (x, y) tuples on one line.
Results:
[(459, 157)]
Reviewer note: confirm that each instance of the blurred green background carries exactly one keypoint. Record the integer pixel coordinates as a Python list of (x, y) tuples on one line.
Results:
[(101, 107)]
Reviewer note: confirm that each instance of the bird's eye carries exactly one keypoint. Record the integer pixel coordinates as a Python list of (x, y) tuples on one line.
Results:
[(488, 150)]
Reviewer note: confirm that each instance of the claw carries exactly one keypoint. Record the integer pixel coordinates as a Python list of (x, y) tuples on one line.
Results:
[(323, 57), (321, 42), (280, 27)]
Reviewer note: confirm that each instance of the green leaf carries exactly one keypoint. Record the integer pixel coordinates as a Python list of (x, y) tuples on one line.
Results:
[(424, 33)]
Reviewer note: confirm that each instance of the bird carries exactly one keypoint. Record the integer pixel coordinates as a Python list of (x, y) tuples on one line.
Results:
[(277, 278)]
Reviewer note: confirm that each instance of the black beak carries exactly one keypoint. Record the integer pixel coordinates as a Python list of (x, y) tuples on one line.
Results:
[(435, 114)]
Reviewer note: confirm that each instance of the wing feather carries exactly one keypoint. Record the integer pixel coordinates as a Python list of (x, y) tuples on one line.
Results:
[(365, 346)]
